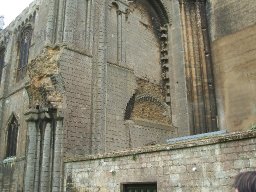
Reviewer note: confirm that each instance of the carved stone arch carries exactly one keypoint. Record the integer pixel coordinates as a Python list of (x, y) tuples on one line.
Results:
[(129, 108), (161, 9), (115, 4), (120, 5), (12, 116), (157, 12), (135, 109), (20, 32)]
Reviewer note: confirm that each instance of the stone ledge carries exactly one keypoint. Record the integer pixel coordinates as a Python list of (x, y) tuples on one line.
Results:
[(168, 147)]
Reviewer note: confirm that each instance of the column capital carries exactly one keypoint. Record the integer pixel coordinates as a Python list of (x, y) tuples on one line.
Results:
[(59, 115), (31, 115), (44, 114)]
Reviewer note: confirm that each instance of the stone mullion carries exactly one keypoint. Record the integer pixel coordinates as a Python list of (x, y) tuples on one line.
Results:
[(57, 161)]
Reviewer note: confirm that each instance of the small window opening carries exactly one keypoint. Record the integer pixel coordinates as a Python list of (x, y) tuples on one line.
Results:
[(139, 187), (12, 138)]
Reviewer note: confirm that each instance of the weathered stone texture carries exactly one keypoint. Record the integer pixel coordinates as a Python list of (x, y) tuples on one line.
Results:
[(153, 133), (210, 167), (142, 44), (230, 16), (120, 87), (12, 175), (77, 105), (235, 71), (93, 59)]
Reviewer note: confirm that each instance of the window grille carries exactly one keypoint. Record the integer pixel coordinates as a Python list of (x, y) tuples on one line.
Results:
[(24, 45), (12, 138)]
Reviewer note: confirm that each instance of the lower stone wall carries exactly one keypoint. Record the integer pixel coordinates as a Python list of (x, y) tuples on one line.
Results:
[(206, 164), (11, 175)]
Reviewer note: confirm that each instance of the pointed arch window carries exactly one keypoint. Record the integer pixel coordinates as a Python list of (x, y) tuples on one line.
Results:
[(12, 135), (24, 45), (2, 51)]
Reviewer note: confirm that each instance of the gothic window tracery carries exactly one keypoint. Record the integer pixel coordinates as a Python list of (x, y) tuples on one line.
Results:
[(24, 45), (12, 135)]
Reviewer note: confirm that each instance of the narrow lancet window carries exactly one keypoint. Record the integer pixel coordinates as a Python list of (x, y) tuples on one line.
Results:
[(24, 45), (12, 135)]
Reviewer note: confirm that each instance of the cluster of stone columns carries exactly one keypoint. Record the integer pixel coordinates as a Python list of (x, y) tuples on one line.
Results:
[(199, 69), (43, 168)]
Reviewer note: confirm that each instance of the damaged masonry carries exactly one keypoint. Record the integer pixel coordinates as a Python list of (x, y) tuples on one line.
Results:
[(127, 95)]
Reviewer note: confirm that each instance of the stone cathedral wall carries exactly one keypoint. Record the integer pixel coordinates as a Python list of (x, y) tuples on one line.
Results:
[(233, 27), (206, 164)]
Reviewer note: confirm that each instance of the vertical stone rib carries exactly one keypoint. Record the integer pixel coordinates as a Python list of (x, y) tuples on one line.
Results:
[(88, 23), (212, 111), (51, 22), (45, 170), (60, 21), (192, 66), (31, 152), (199, 69), (57, 162), (186, 36), (123, 40), (99, 79), (205, 94), (70, 21), (119, 36), (38, 156)]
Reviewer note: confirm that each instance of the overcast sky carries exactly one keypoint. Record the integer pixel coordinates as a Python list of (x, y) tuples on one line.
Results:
[(10, 9)]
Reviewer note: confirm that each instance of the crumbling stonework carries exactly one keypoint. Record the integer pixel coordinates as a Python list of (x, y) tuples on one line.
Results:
[(149, 103), (41, 71), (106, 76)]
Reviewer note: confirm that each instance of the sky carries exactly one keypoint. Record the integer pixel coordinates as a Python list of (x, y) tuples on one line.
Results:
[(10, 9)]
